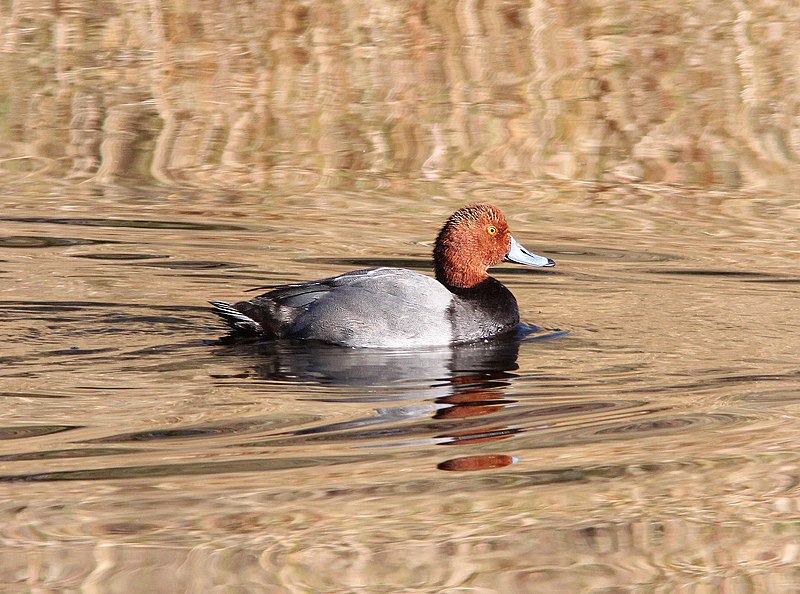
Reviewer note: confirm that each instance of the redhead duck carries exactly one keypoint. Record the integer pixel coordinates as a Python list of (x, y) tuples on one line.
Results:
[(395, 307)]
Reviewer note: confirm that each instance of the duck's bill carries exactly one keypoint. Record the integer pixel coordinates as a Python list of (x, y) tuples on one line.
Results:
[(520, 255)]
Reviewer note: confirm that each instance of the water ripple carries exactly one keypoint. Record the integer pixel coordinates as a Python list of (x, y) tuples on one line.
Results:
[(26, 431), (128, 223), (182, 469), (42, 241)]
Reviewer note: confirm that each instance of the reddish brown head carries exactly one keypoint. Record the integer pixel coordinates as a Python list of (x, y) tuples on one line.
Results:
[(474, 238)]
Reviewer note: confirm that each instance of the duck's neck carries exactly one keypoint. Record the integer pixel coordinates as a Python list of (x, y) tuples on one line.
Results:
[(454, 270), (453, 278)]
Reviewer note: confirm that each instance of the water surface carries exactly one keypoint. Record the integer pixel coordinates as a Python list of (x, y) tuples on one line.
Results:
[(644, 432), (640, 436)]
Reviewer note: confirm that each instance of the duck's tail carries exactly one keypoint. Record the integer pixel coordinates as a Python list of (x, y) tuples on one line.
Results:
[(236, 320)]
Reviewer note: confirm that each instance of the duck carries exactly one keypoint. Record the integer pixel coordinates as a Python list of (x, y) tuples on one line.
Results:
[(397, 308)]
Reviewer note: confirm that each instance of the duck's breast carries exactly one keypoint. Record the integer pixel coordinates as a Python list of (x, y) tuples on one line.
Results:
[(482, 311)]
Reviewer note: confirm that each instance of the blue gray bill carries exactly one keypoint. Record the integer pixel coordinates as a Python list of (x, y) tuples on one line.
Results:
[(520, 255)]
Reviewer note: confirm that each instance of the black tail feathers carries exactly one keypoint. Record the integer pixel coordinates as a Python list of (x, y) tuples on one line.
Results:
[(236, 320)]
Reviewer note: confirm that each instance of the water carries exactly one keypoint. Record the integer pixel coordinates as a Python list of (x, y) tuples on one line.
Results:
[(642, 435)]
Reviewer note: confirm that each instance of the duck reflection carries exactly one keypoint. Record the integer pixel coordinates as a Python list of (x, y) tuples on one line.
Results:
[(442, 396), (370, 368), (447, 384)]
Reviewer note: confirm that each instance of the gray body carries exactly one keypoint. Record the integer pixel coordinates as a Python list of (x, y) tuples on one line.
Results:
[(381, 307)]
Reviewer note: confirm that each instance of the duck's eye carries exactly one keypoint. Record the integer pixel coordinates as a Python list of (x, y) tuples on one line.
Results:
[(492, 230)]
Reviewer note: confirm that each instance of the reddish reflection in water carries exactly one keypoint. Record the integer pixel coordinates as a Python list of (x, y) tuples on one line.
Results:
[(473, 403), (482, 462)]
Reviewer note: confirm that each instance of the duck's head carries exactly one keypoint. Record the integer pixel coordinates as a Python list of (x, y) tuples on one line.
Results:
[(474, 238)]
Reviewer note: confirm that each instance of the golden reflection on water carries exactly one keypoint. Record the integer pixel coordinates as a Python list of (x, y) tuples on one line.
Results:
[(649, 444), (271, 93)]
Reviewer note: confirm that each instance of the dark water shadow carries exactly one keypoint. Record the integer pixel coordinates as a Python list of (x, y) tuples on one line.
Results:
[(41, 241), (192, 265), (120, 256), (127, 223), (605, 254), (27, 431), (744, 275)]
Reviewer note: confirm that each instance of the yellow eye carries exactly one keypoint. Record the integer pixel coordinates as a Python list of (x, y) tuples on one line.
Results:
[(492, 230)]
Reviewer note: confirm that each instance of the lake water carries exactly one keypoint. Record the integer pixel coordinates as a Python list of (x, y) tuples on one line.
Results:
[(643, 437)]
